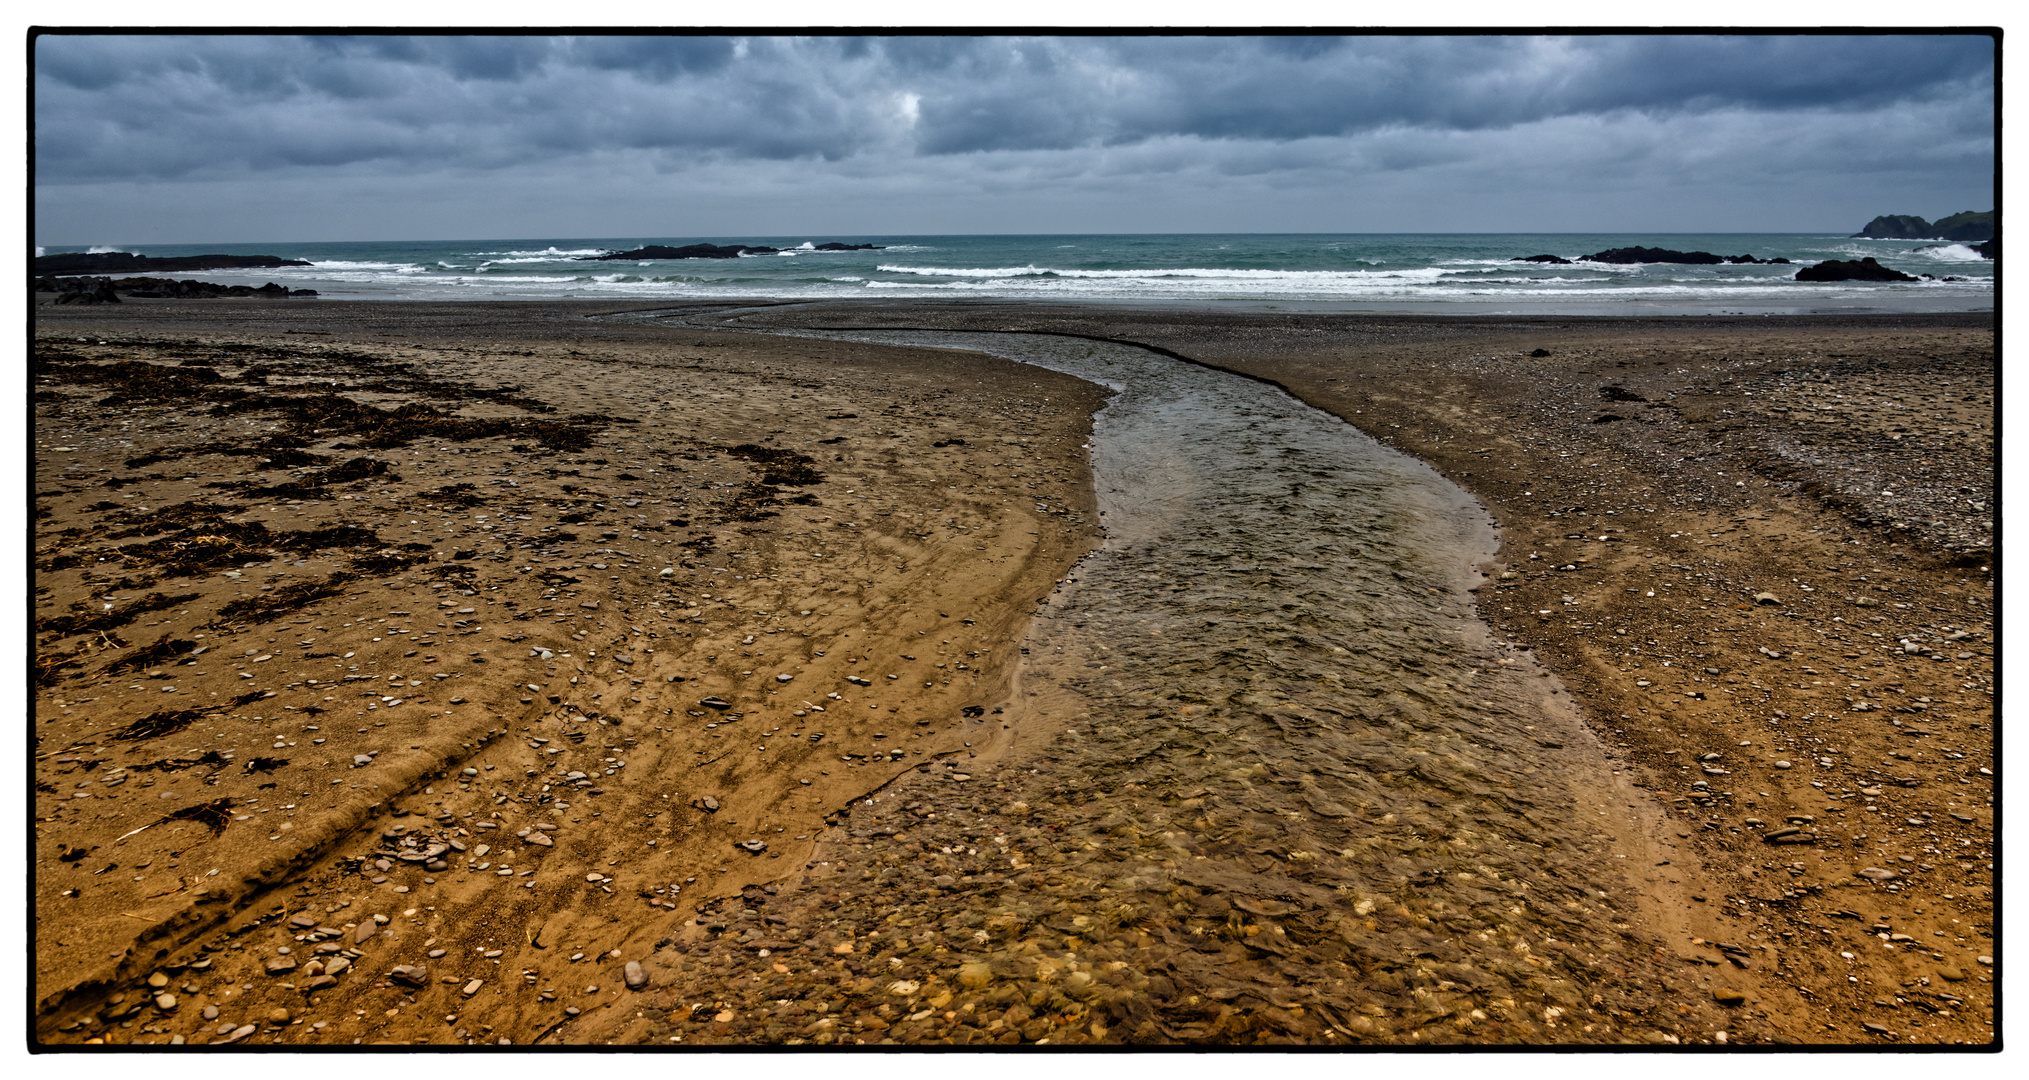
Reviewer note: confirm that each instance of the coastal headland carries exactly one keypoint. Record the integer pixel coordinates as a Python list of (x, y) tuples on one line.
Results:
[(572, 672)]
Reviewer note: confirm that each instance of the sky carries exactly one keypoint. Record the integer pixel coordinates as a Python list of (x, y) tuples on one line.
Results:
[(242, 139)]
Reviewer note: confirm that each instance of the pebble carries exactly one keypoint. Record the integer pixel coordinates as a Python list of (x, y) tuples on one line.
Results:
[(238, 1033), (280, 965), (165, 1002), (541, 839), (158, 980), (210, 1012), (472, 987), (278, 1016), (636, 978), (1875, 873)]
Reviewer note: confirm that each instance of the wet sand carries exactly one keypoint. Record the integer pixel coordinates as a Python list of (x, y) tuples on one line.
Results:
[(879, 911)]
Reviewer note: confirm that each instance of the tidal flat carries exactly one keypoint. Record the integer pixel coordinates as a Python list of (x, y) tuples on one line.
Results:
[(566, 673)]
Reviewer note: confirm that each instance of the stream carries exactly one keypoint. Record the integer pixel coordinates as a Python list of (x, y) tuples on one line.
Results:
[(1296, 788)]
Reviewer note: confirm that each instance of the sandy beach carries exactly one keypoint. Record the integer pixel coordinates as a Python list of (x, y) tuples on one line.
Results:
[(573, 673)]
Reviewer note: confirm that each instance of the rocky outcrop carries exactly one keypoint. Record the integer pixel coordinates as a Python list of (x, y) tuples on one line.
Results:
[(1991, 249), (1629, 255), (1968, 227), (1965, 227), (1896, 227), (1841, 270), (1542, 259), (122, 262), (711, 251), (99, 290)]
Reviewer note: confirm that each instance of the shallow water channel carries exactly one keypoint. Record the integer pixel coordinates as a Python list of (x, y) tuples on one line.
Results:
[(1296, 788)]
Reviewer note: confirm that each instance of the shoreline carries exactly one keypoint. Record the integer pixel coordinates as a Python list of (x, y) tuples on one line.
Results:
[(1605, 309), (1444, 382)]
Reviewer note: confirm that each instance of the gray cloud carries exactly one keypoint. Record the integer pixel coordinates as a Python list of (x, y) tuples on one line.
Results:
[(222, 110), (176, 105)]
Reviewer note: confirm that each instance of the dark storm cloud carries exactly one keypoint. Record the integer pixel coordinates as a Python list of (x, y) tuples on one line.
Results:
[(112, 107)]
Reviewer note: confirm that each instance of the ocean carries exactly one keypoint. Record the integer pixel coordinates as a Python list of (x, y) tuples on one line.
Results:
[(1438, 272)]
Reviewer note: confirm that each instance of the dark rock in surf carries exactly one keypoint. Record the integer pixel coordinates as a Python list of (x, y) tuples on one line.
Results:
[(1630, 255), (688, 251), (711, 251), (1841, 270), (1561, 261)]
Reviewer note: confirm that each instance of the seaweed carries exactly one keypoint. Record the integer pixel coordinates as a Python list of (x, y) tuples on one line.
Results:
[(387, 562), (214, 815), (779, 467), (178, 764), (330, 536), (285, 599), (156, 725), (312, 486), (49, 666), (65, 561), (87, 621), (149, 655), (456, 494), (324, 415)]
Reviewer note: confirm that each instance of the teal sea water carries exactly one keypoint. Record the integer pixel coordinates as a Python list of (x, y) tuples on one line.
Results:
[(1463, 272)]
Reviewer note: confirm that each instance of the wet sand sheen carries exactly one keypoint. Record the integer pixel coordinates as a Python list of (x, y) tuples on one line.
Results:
[(1266, 706)]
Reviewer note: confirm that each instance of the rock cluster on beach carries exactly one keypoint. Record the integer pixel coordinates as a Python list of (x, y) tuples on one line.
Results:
[(101, 290), (713, 251), (122, 262)]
